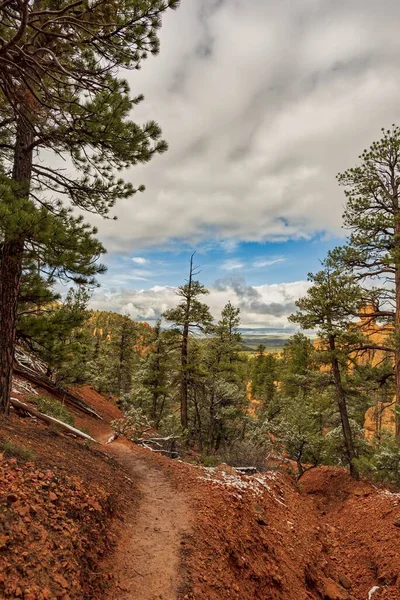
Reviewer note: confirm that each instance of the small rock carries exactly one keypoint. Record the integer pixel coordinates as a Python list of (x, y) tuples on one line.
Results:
[(345, 582), (396, 522), (333, 591), (61, 580)]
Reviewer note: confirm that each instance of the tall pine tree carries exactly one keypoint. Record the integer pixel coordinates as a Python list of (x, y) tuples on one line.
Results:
[(59, 91), (372, 215), (189, 316), (330, 306)]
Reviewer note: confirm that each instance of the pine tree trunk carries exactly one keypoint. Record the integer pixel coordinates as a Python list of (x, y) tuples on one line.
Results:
[(11, 265), (199, 425), (344, 417), (10, 275), (397, 326), (184, 353), (184, 377), (156, 393), (121, 379), (212, 422)]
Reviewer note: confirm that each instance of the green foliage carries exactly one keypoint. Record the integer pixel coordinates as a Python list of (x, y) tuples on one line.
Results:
[(61, 93), (297, 432), (371, 213), (11, 450), (252, 448), (190, 311), (208, 460), (52, 408), (54, 332), (335, 448), (298, 368), (264, 375), (382, 462), (111, 354), (154, 377), (132, 425), (219, 384), (71, 95), (330, 306), (58, 245)]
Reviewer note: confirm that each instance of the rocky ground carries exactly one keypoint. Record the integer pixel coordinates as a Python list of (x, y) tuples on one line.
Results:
[(118, 521)]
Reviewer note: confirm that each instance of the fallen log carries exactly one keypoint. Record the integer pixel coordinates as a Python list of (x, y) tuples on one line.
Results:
[(26, 408), (171, 453), (61, 393), (246, 470)]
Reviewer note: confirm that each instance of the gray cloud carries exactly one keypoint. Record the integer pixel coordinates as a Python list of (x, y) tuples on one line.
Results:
[(262, 103), (265, 306)]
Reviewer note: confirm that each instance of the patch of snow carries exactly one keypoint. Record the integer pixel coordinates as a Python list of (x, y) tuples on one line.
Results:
[(250, 483), (372, 591), (394, 496)]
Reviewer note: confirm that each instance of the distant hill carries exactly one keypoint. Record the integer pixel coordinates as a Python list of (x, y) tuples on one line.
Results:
[(271, 343)]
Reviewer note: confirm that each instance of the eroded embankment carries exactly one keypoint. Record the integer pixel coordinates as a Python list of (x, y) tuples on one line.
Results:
[(56, 506), (194, 533), (263, 538)]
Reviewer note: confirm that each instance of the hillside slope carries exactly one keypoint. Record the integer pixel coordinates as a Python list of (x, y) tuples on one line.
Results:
[(116, 520)]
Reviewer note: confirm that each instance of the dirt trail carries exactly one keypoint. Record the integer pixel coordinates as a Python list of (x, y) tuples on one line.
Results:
[(146, 563)]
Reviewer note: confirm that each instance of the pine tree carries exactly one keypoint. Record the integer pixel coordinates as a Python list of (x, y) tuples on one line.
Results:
[(189, 316), (372, 215), (330, 306), (113, 354), (263, 377), (298, 365), (226, 392), (59, 91), (53, 331), (157, 370)]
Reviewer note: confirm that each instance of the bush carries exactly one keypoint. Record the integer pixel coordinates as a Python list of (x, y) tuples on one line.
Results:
[(245, 453), (384, 464), (335, 449), (10, 450), (210, 460), (52, 408), (132, 425)]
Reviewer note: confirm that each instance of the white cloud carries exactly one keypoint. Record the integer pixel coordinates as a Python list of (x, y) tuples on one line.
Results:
[(130, 275), (139, 260), (262, 103), (264, 306), (229, 246), (268, 262), (231, 265)]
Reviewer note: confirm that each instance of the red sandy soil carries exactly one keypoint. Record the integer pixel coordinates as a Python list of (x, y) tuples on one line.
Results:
[(183, 531), (55, 512)]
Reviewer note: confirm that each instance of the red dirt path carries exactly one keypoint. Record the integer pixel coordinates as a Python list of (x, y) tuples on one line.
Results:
[(221, 535)]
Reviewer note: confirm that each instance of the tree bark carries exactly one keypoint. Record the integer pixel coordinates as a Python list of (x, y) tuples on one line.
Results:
[(11, 264), (184, 377), (156, 392), (198, 422), (17, 404), (211, 421), (184, 353), (397, 323), (342, 404)]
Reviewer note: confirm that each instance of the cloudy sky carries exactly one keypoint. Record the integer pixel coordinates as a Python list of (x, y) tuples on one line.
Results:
[(262, 103)]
